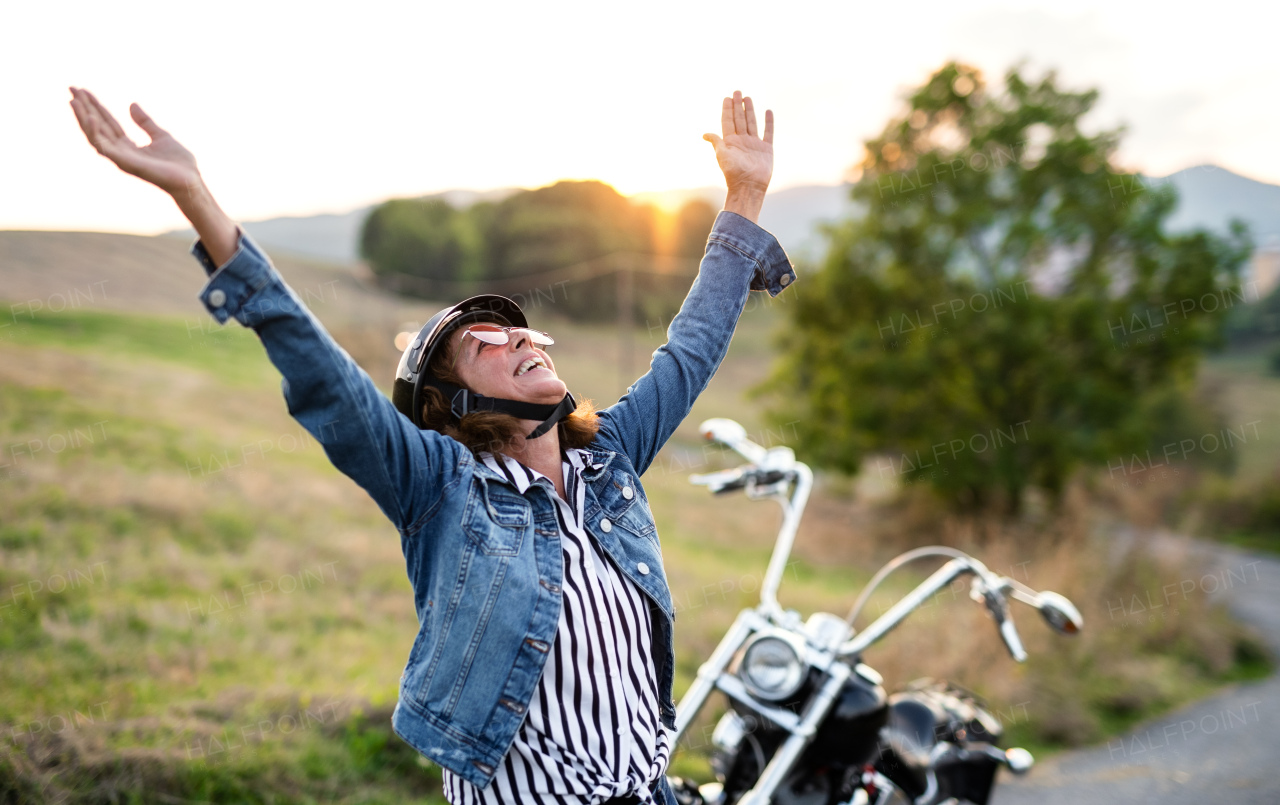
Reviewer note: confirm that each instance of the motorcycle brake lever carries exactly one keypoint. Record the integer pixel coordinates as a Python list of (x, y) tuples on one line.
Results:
[(716, 481), (998, 606)]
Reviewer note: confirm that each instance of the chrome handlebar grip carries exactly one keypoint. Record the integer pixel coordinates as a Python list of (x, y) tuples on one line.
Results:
[(720, 481), (1012, 641)]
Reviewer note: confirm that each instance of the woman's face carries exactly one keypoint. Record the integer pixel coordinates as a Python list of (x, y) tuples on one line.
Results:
[(516, 370)]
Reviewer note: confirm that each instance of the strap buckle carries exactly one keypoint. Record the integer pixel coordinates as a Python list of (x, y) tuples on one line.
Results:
[(460, 405)]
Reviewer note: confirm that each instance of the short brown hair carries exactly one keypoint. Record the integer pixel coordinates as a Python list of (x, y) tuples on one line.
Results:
[(490, 431)]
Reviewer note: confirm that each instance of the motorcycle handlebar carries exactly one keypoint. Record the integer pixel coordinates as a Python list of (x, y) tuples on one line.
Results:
[(986, 587), (770, 467), (722, 481)]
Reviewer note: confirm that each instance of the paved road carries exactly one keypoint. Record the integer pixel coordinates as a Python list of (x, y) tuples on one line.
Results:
[(1225, 749)]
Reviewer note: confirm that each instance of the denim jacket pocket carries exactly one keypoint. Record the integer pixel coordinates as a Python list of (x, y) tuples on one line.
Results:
[(496, 518), (624, 501), (638, 520)]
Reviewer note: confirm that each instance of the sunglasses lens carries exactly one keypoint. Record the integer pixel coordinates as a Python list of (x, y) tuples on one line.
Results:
[(488, 333), (493, 334)]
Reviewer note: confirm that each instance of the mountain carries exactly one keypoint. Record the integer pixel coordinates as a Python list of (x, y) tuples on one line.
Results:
[(334, 237), (1208, 196), (795, 216)]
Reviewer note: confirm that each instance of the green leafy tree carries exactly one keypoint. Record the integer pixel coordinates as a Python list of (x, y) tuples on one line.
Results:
[(1008, 308), (562, 225), (427, 240), (584, 234), (580, 245)]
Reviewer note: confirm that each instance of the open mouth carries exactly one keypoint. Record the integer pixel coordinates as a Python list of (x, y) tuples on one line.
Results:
[(530, 364)]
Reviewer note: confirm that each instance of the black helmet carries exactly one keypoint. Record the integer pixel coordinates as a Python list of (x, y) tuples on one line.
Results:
[(412, 375)]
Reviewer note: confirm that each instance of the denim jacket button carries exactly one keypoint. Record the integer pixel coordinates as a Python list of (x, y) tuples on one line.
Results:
[(628, 493), (643, 568), (785, 280), (217, 297), (606, 526)]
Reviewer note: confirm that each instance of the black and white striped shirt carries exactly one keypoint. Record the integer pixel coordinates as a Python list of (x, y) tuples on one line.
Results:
[(592, 730)]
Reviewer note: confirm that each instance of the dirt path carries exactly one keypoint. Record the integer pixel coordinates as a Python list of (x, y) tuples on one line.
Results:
[(1224, 749)]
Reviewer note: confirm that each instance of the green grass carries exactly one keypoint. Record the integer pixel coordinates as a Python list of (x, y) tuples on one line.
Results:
[(1241, 508), (1248, 393), (199, 342)]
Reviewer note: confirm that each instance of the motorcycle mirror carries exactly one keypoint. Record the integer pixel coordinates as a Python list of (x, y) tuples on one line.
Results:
[(1061, 615), (734, 436), (1018, 760), (725, 431)]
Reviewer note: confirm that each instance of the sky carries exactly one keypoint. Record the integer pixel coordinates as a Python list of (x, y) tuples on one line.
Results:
[(302, 108)]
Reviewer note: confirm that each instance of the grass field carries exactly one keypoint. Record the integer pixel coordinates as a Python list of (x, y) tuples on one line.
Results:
[(195, 606), (1249, 393)]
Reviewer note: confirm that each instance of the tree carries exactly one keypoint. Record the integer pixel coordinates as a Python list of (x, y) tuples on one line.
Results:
[(581, 245), (561, 225), (1008, 308), (423, 239), (584, 235)]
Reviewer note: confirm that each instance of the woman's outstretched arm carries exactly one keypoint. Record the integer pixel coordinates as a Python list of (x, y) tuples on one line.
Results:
[(402, 468), (740, 256)]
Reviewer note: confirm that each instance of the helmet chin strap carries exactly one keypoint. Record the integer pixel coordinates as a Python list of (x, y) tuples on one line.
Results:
[(565, 407), (464, 401)]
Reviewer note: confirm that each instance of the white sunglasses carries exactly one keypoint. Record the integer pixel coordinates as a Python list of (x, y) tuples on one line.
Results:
[(497, 335)]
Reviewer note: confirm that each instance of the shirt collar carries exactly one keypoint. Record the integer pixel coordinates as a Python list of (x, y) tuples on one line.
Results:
[(524, 477)]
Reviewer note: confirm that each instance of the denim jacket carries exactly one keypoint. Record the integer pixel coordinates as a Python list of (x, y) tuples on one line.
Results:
[(484, 560)]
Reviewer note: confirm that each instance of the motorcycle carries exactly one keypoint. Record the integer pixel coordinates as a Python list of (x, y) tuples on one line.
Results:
[(808, 722)]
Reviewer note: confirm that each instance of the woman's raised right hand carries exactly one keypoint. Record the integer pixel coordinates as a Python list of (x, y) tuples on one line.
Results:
[(164, 162)]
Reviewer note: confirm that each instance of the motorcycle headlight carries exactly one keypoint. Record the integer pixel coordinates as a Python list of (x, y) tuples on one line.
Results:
[(771, 668)]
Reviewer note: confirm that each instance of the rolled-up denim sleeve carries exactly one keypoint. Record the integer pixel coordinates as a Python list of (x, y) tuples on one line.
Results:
[(740, 257), (400, 466)]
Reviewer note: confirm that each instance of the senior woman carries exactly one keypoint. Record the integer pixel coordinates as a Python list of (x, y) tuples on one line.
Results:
[(543, 664)]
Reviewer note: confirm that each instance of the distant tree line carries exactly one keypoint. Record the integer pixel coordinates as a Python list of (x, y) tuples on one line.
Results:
[(581, 243)]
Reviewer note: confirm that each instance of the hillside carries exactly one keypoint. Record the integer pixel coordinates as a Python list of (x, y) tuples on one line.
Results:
[(159, 275)]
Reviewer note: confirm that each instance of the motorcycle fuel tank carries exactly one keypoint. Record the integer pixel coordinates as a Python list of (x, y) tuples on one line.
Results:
[(850, 733)]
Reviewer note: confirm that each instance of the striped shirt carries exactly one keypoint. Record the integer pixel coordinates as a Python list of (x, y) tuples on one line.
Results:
[(592, 730)]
